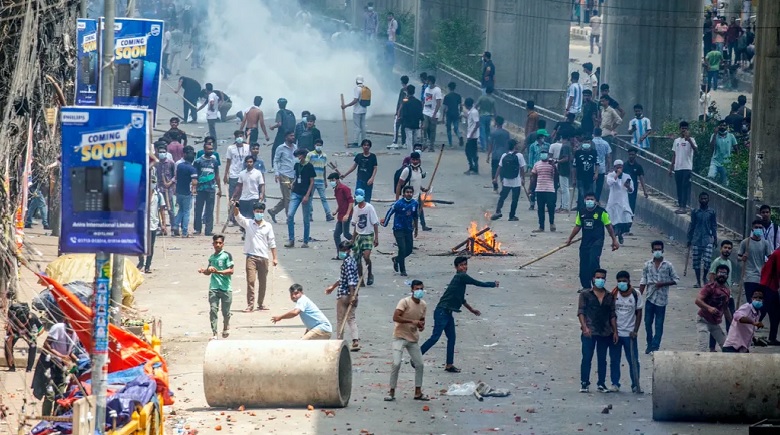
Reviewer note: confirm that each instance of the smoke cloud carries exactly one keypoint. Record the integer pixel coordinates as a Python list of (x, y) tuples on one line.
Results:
[(268, 48)]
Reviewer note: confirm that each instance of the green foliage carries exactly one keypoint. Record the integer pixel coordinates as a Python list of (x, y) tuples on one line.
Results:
[(405, 24), (455, 42)]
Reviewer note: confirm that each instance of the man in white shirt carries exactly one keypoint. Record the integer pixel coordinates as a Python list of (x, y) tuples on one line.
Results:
[(392, 27), (511, 171), (595, 32), (704, 102), (628, 309), (432, 99), (359, 112), (472, 136), (260, 248), (250, 187), (682, 164), (574, 94), (212, 112), (590, 82), (234, 163), (639, 128)]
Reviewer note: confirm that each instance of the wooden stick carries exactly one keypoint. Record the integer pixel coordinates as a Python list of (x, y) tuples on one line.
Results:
[(571, 202), (219, 202), (687, 257), (379, 133), (430, 183), (170, 110), (483, 231), (230, 210), (742, 275), (549, 253), (344, 121), (349, 308), (182, 97)]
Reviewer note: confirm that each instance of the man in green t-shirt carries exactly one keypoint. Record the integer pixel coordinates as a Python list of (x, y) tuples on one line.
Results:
[(221, 271), (486, 105), (712, 61)]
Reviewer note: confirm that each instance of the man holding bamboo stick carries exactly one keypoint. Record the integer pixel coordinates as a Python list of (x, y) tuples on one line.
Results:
[(346, 295)]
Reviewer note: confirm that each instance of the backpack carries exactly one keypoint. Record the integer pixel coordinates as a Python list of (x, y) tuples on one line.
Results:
[(397, 176), (288, 121), (615, 293), (510, 166), (365, 96)]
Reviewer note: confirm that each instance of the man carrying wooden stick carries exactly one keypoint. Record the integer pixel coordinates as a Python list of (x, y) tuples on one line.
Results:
[(346, 295)]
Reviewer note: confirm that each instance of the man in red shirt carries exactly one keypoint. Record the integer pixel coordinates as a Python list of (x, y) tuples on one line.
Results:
[(770, 280), (344, 211), (713, 301)]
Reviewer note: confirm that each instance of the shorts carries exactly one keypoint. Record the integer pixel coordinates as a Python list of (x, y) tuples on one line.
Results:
[(363, 242)]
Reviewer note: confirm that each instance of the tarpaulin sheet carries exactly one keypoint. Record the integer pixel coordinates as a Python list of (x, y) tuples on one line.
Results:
[(81, 267)]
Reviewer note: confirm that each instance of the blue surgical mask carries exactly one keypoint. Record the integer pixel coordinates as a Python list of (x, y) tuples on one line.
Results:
[(418, 294), (622, 286), (757, 304), (359, 198), (332, 184), (258, 216), (586, 146), (658, 254), (543, 156), (318, 148), (758, 232), (342, 255), (589, 203), (599, 282)]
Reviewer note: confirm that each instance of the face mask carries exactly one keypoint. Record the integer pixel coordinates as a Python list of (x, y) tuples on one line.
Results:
[(757, 304), (342, 255), (332, 184), (758, 232), (622, 286), (658, 254), (258, 216), (359, 198), (239, 141), (722, 131), (416, 166), (318, 148), (418, 294), (586, 146), (599, 282), (543, 156), (407, 199), (589, 203)]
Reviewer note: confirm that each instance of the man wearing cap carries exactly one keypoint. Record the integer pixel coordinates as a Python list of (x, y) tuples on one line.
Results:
[(259, 248), (365, 235), (620, 185), (359, 112)]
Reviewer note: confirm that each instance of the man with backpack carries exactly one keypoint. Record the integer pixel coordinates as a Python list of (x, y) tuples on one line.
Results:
[(510, 171), (411, 174), (411, 116), (628, 309), (285, 122), (22, 324), (361, 101)]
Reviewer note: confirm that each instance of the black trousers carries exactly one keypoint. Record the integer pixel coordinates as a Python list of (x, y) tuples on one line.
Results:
[(188, 109), (502, 197), (683, 179), (545, 199), (471, 155), (342, 229), (405, 242), (493, 169), (148, 263), (590, 260)]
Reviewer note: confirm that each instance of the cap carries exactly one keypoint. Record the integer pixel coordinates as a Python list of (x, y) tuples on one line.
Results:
[(360, 192), (542, 132), (617, 163), (359, 80)]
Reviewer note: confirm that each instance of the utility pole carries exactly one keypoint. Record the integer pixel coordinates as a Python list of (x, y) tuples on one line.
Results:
[(102, 278), (83, 9), (417, 24)]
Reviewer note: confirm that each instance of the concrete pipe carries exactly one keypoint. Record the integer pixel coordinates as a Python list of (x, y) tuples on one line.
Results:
[(722, 387), (272, 373)]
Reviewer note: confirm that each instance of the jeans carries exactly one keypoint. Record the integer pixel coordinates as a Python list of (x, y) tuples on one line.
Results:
[(212, 128), (399, 344), (502, 197), (256, 268), (148, 263), (359, 121), (442, 322), (37, 203), (405, 241), (320, 188), (683, 179), (430, 130), (204, 199), (398, 130), (452, 124), (342, 230), (599, 187), (654, 316), (565, 193), (484, 131), (421, 212), (583, 187), (719, 174), (599, 343), (189, 101), (590, 260), (412, 135), (246, 209), (360, 184), (628, 346), (546, 199), (217, 298), (712, 79), (182, 219), (493, 170), (295, 201), (471, 155)]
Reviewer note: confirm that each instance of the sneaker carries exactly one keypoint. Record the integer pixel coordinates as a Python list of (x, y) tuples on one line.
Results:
[(637, 390), (370, 279), (395, 264), (584, 388), (392, 146), (539, 230), (531, 207), (305, 245), (614, 389), (330, 218), (584, 289), (620, 239), (273, 216), (602, 389), (680, 211), (513, 218), (552, 228), (290, 244), (271, 171), (403, 274), (469, 172), (427, 228), (496, 217)]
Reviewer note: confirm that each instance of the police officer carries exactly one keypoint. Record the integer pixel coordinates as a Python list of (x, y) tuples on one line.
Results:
[(592, 220)]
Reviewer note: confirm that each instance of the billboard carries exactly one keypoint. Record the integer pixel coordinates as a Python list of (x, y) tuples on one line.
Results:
[(105, 168), (88, 62)]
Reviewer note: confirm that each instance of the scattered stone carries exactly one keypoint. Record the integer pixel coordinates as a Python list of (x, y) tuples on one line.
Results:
[(531, 410), (606, 410), (426, 408), (310, 408), (217, 427), (241, 408)]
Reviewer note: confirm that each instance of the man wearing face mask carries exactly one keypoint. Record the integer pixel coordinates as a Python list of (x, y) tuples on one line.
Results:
[(592, 220), (598, 323), (343, 213), (702, 235), (346, 295), (620, 185), (628, 311), (633, 168), (260, 249), (365, 235), (404, 227), (284, 162), (713, 301), (657, 276), (723, 259), (543, 186), (319, 160), (409, 318), (412, 175), (250, 188), (744, 324), (166, 181), (722, 143), (233, 165), (586, 168), (208, 185)]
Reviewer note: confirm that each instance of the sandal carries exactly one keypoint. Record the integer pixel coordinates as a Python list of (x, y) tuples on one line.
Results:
[(390, 399), (225, 333), (262, 308), (452, 369), (422, 397), (248, 309)]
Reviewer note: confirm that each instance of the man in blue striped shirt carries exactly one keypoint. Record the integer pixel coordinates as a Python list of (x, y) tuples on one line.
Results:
[(404, 227), (640, 128), (574, 95)]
